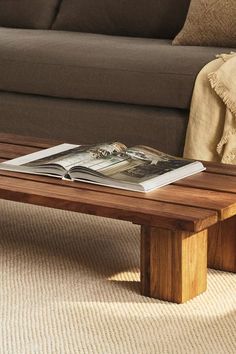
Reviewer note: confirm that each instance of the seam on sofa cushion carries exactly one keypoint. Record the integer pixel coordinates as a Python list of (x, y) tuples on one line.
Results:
[(96, 67)]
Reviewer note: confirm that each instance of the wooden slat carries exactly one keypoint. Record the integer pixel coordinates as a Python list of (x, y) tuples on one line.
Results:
[(11, 151), (27, 141), (223, 203), (99, 203), (219, 168), (210, 181)]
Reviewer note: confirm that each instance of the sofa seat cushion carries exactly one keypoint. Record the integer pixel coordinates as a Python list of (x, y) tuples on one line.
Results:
[(99, 67), (28, 13)]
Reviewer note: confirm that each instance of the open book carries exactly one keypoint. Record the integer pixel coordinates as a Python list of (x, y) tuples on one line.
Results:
[(139, 168)]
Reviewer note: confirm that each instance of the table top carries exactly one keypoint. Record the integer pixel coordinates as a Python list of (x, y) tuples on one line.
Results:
[(191, 204)]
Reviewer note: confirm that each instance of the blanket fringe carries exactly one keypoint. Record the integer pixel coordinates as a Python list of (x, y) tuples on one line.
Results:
[(224, 94), (227, 158), (222, 91)]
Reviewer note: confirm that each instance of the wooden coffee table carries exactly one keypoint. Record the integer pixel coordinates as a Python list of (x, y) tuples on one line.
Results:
[(184, 226)]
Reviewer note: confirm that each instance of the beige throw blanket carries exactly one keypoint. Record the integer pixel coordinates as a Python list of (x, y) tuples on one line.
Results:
[(211, 133)]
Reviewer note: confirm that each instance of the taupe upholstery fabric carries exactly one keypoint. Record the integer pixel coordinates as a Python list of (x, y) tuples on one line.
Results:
[(85, 122), (142, 18), (28, 13), (209, 23), (98, 67)]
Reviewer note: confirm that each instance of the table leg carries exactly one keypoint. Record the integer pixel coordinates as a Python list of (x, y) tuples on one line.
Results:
[(222, 245), (173, 264)]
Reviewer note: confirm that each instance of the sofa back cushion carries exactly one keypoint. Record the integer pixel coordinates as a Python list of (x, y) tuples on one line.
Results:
[(142, 18), (28, 13)]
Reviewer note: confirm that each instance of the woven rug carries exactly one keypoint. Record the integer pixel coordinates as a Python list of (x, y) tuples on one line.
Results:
[(69, 283)]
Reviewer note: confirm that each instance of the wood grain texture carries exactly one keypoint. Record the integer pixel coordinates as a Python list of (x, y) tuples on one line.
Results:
[(173, 264), (219, 168), (210, 181), (102, 204), (11, 151), (223, 203), (28, 141), (222, 245), (145, 261)]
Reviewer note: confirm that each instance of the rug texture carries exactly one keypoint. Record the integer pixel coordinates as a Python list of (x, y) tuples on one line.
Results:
[(69, 283)]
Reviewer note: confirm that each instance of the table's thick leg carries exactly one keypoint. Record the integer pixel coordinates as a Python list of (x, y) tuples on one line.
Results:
[(222, 245), (173, 264)]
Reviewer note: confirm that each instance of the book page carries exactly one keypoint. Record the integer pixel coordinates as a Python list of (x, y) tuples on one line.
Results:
[(90, 156), (144, 163), (41, 155)]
